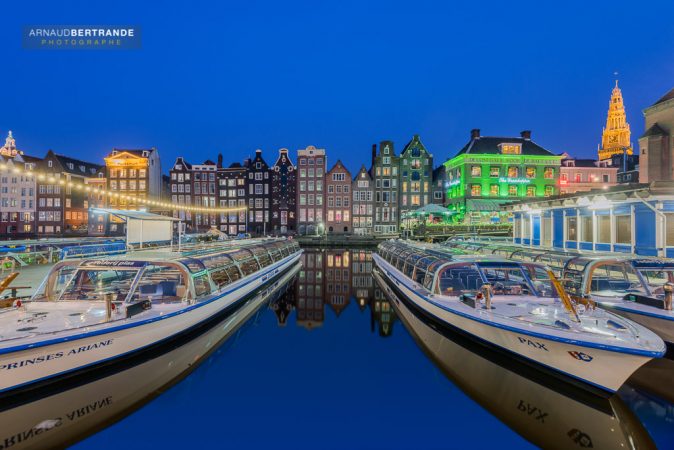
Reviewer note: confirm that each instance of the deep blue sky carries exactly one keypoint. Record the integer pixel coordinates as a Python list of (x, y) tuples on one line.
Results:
[(242, 75)]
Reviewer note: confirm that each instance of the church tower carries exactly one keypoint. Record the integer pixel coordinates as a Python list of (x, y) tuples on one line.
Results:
[(616, 135)]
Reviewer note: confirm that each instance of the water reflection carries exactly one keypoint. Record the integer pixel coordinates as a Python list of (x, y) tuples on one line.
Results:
[(335, 278)]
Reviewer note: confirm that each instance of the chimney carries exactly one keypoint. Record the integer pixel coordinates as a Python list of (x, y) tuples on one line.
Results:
[(258, 152), (526, 134), (219, 159), (475, 133), (374, 152)]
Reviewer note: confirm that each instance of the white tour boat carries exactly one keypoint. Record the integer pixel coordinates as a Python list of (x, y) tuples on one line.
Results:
[(91, 312), (519, 307)]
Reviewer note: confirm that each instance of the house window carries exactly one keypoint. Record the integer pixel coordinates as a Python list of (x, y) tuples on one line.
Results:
[(494, 172), (549, 191), (531, 191), (549, 173), (512, 190), (531, 172), (511, 149), (493, 190), (476, 189), (476, 171), (577, 178), (623, 229), (513, 172)]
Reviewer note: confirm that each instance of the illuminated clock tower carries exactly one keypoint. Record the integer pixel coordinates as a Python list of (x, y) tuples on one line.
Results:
[(616, 135)]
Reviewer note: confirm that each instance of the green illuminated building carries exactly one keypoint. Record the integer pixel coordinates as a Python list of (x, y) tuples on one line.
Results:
[(490, 171)]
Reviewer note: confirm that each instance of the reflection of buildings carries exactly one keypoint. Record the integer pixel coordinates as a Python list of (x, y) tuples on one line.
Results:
[(284, 306), (309, 304), (381, 313), (338, 278), (362, 283)]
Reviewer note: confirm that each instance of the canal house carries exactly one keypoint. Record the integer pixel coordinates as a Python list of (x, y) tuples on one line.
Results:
[(636, 218)]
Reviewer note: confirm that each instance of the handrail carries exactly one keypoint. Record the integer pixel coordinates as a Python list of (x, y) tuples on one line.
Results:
[(566, 300)]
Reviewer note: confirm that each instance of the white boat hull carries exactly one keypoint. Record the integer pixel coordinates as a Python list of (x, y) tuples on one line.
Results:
[(94, 346), (596, 366)]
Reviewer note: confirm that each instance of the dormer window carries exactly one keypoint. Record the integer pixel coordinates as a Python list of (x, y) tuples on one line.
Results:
[(83, 169), (50, 163), (71, 166), (145, 154), (511, 149)]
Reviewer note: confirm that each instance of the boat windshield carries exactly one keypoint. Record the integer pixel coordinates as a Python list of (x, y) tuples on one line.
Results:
[(611, 277), (655, 279), (519, 279), (94, 283)]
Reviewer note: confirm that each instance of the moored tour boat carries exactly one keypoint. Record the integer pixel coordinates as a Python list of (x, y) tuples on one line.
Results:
[(91, 312), (518, 307)]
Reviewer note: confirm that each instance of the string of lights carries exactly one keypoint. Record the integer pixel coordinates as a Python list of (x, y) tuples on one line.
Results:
[(43, 176)]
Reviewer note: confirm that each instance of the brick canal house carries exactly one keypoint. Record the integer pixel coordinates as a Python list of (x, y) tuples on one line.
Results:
[(181, 190), (385, 176), (259, 194), (232, 182), (283, 194), (338, 196), (311, 163), (62, 210), (362, 199), (416, 170), (204, 194)]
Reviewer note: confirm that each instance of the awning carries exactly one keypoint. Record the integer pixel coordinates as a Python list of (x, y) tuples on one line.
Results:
[(143, 227), (131, 214), (484, 205)]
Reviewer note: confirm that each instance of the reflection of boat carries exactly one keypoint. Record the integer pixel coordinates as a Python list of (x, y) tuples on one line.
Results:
[(544, 411), (521, 308), (93, 311), (76, 407)]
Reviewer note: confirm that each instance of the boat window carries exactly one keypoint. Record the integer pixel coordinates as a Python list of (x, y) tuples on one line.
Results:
[(419, 275), (93, 283), (262, 256), (161, 283), (220, 277), (192, 264), (409, 268), (506, 280), (541, 281), (457, 279), (233, 273), (614, 276), (656, 279), (201, 285), (217, 260), (249, 266), (57, 280)]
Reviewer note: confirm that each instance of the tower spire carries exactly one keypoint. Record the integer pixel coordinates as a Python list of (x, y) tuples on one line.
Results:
[(616, 135)]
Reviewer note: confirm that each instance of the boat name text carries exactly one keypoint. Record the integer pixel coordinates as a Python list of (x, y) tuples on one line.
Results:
[(534, 344), (52, 356)]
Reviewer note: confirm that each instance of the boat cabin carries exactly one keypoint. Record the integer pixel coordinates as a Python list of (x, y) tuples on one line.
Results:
[(457, 275)]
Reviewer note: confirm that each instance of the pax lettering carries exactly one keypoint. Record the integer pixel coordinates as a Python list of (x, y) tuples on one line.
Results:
[(534, 344)]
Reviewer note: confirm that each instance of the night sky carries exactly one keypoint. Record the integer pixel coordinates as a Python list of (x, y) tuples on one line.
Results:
[(343, 75)]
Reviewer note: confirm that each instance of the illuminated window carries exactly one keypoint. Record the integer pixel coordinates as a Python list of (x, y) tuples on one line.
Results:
[(476, 189), (531, 172), (416, 200), (549, 190), (476, 171), (494, 172), (531, 191), (512, 190), (577, 178), (511, 149), (564, 177), (513, 172), (549, 173), (493, 189)]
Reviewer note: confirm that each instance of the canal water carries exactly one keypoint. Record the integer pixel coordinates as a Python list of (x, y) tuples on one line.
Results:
[(329, 360)]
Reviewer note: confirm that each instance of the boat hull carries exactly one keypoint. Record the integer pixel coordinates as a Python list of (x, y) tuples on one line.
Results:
[(38, 364), (596, 366)]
